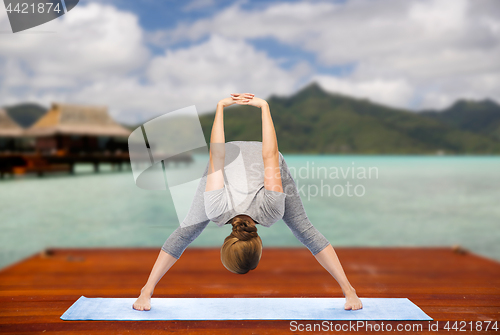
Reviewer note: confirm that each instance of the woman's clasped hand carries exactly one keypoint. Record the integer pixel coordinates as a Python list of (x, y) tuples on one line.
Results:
[(243, 99)]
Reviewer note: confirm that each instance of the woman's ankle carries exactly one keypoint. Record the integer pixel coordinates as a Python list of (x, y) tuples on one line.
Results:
[(349, 291), (147, 291)]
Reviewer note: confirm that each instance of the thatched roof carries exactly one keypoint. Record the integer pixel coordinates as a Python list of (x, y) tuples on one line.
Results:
[(9, 127), (77, 120)]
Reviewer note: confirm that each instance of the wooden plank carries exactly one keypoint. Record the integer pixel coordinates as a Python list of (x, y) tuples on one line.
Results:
[(447, 285)]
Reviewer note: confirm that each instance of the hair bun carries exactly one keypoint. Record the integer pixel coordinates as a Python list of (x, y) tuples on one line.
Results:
[(243, 229)]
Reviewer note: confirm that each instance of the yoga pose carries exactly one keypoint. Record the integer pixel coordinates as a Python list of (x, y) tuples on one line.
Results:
[(246, 183)]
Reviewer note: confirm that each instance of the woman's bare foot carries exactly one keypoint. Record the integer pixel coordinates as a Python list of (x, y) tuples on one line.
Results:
[(143, 303), (352, 301)]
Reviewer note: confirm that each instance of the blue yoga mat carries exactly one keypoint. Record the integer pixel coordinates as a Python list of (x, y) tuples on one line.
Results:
[(244, 309)]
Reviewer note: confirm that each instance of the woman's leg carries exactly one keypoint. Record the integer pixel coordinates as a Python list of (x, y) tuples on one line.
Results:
[(296, 219), (163, 263), (329, 260), (195, 222), (170, 252)]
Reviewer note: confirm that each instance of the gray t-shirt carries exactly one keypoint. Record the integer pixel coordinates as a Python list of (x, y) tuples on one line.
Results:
[(294, 216), (243, 191)]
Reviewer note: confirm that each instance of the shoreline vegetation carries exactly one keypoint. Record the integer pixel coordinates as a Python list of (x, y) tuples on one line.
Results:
[(313, 121)]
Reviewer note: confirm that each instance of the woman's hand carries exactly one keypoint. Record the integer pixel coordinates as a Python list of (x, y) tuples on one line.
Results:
[(240, 99), (248, 99), (226, 102)]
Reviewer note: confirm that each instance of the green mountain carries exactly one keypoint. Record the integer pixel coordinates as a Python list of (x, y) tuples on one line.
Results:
[(314, 121), (25, 114), (477, 116)]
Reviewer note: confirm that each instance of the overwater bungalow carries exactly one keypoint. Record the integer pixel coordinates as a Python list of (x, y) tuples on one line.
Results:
[(78, 129), (10, 133), (66, 135)]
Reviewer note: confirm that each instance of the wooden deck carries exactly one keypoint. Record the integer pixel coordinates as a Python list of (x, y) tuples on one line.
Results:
[(448, 285)]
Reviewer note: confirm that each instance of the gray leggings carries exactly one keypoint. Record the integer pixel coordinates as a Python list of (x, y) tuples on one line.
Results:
[(295, 218)]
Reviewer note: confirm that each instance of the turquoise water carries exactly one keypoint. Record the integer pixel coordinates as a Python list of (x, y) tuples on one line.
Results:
[(406, 201)]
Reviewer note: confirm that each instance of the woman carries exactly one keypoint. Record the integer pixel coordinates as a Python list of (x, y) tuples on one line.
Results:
[(259, 190)]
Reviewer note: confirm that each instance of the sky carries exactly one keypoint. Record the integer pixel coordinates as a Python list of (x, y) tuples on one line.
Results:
[(144, 58)]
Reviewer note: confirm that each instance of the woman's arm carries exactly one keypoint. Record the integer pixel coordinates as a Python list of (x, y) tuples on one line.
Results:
[(215, 178), (270, 153)]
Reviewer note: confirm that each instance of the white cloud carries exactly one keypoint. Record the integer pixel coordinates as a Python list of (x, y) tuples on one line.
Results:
[(94, 46), (199, 75), (426, 44), (390, 92), (97, 55), (90, 42), (421, 53), (221, 62), (205, 73)]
